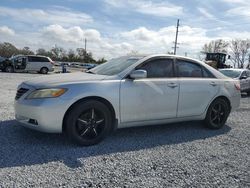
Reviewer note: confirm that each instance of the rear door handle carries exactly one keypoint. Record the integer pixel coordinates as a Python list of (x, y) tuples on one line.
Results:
[(213, 84), (172, 85)]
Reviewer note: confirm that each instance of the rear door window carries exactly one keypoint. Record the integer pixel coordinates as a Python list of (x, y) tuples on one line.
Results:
[(37, 59), (158, 68), (189, 69), (44, 59)]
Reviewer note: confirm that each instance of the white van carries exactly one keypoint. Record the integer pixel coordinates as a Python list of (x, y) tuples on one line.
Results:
[(29, 63)]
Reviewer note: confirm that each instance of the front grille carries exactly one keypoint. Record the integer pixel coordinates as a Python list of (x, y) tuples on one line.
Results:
[(20, 92)]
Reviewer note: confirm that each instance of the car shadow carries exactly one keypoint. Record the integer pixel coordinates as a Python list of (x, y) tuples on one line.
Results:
[(21, 146)]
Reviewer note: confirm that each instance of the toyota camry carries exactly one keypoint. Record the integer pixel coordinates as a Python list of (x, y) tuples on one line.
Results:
[(124, 92)]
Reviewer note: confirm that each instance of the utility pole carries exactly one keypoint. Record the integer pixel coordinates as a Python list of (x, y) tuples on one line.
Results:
[(176, 36), (85, 45)]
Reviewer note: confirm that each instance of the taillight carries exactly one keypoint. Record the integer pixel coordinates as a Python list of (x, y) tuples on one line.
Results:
[(237, 86), (52, 63)]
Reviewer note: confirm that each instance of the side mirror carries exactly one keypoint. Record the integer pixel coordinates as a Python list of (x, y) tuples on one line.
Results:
[(136, 74), (243, 77)]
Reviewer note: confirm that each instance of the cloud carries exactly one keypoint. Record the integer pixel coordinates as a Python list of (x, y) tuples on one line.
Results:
[(205, 13), (229, 35), (73, 37), (4, 30), (162, 9), (239, 11), (158, 9), (71, 34), (235, 1), (144, 40), (240, 8), (57, 15), (141, 34)]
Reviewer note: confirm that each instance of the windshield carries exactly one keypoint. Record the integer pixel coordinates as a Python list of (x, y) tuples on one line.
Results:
[(231, 73), (115, 66)]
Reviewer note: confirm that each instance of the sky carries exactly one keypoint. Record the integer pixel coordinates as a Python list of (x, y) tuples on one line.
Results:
[(119, 27)]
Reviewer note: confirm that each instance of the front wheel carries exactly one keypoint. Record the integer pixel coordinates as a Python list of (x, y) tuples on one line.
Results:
[(9, 69), (217, 114), (44, 70), (88, 122)]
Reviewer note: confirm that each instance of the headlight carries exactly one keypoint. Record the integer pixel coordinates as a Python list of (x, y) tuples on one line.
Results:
[(46, 93)]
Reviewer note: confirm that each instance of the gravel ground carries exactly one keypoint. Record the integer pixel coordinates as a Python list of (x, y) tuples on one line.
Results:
[(176, 155)]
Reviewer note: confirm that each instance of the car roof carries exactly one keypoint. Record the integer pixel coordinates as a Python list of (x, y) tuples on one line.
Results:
[(160, 55), (35, 55), (241, 70), (20, 55)]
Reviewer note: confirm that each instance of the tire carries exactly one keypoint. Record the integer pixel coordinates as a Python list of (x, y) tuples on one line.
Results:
[(88, 122), (217, 114), (9, 69), (44, 70)]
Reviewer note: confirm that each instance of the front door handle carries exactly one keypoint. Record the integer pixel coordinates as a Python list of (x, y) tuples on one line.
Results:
[(213, 84), (172, 85)]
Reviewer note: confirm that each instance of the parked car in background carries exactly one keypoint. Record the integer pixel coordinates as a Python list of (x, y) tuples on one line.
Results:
[(124, 92), (243, 75), (89, 66), (27, 63)]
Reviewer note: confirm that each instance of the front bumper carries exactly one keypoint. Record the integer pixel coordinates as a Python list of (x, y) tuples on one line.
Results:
[(52, 69), (44, 115)]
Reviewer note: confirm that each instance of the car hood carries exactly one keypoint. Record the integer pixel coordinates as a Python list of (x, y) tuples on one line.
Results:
[(61, 79)]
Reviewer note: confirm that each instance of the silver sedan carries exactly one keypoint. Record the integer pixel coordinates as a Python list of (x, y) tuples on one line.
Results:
[(243, 75), (124, 92)]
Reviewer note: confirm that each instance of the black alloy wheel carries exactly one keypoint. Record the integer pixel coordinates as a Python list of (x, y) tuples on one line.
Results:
[(217, 114), (88, 122)]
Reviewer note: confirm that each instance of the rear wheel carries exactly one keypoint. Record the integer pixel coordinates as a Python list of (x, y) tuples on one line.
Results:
[(88, 122), (9, 69), (217, 114), (44, 70)]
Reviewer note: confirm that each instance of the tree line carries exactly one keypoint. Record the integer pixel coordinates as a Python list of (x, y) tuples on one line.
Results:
[(238, 49), (56, 53)]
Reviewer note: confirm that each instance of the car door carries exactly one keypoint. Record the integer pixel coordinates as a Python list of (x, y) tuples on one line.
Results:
[(20, 63), (34, 63), (151, 98), (248, 80), (197, 88), (244, 81), (30, 63)]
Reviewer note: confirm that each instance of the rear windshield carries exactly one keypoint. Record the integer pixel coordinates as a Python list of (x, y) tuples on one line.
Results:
[(231, 73)]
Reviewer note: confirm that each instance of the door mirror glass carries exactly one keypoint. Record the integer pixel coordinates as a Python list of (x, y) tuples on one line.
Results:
[(136, 74)]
